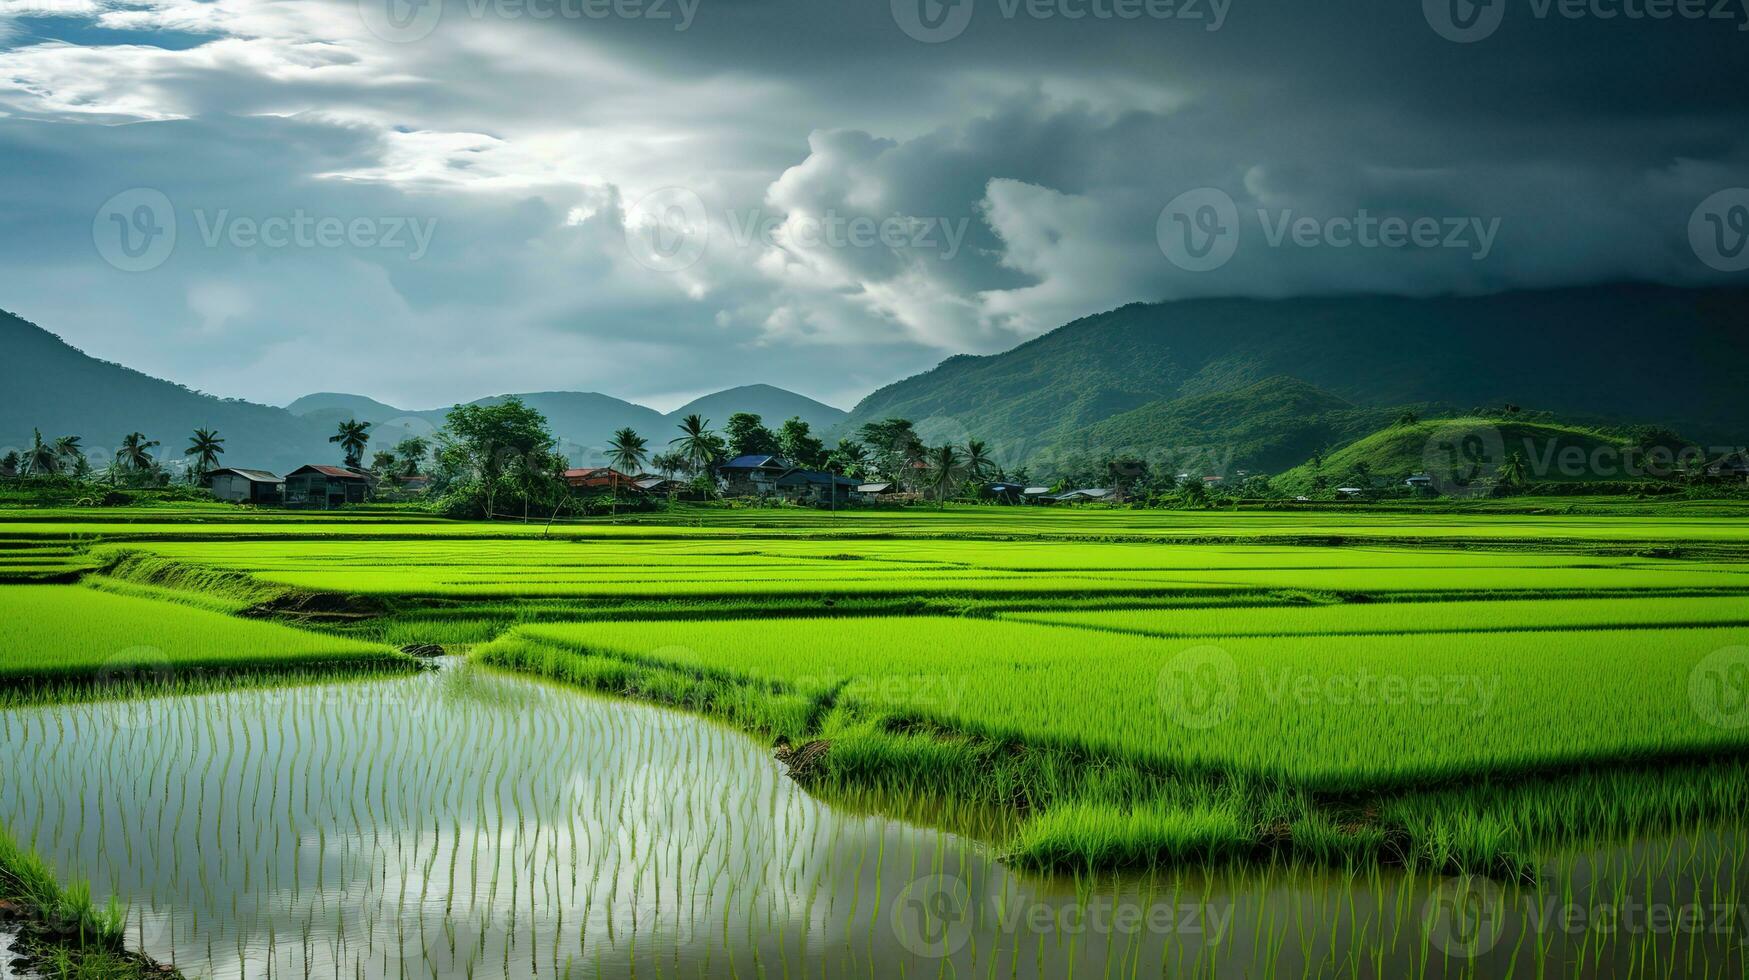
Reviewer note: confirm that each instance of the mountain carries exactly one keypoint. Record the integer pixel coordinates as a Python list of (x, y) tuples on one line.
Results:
[(583, 421), (339, 403), (1268, 426), (1552, 452), (58, 388), (62, 390), (1616, 353), (774, 405)]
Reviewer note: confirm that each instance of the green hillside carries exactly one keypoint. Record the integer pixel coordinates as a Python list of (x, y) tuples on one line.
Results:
[(1268, 426), (53, 386), (1619, 354), (1465, 452)]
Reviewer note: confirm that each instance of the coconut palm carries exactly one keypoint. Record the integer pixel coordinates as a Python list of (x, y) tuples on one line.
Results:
[(1512, 470), (206, 447), (978, 463), (697, 442), (41, 459), (135, 452), (352, 435), (944, 469), (668, 464), (410, 455), (628, 451), (70, 451)]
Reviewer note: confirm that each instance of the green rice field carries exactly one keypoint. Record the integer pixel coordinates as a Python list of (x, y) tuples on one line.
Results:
[(781, 742), (55, 634)]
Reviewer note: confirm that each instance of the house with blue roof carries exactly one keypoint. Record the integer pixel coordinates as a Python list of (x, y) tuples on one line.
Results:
[(752, 476)]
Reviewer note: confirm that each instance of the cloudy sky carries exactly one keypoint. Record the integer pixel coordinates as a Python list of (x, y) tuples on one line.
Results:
[(434, 200)]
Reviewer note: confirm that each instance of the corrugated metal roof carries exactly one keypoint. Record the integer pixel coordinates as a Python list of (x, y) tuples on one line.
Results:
[(874, 488), (337, 472), (253, 476), (755, 463)]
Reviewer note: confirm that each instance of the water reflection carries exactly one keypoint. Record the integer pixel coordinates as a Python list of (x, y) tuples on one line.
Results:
[(471, 824)]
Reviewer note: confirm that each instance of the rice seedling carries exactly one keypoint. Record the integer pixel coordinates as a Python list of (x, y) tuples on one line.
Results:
[(1012, 742), (60, 634)]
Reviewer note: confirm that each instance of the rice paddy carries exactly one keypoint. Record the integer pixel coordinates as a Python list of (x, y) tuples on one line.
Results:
[(59, 634), (764, 743)]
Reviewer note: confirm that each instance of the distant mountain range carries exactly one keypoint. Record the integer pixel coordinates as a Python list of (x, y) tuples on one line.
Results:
[(55, 387), (583, 421), (1265, 383), (1233, 383)]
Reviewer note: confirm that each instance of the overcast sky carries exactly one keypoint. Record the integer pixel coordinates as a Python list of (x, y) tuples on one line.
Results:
[(657, 198)]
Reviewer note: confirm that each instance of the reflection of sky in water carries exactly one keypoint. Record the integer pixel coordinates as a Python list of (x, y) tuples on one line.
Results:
[(471, 824)]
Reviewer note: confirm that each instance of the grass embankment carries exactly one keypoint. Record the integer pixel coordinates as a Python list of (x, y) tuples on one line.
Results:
[(60, 636), (665, 571), (1139, 749), (63, 934)]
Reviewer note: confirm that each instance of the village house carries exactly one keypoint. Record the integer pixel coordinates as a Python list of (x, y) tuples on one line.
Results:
[(327, 487), (599, 478), (242, 486), (815, 487), (650, 483), (869, 493), (752, 476)]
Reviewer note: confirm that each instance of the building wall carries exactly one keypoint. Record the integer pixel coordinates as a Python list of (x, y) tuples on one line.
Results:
[(229, 487)]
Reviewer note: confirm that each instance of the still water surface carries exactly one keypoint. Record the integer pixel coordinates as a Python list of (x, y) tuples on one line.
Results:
[(470, 824)]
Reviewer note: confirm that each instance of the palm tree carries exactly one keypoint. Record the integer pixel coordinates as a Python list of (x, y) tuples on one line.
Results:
[(697, 442), (69, 450), (1512, 471), (668, 464), (978, 462), (134, 452), (206, 447), (410, 454), (41, 459), (944, 468), (352, 435), (628, 451)]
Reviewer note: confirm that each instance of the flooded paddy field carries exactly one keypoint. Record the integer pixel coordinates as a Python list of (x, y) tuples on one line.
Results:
[(470, 823)]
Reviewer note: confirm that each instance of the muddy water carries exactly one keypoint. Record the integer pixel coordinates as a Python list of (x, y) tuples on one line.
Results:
[(470, 824)]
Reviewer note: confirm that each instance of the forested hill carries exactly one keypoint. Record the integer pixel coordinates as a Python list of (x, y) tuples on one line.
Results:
[(1625, 354)]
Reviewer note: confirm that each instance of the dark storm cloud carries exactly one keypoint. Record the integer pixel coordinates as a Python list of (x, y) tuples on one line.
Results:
[(858, 191)]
